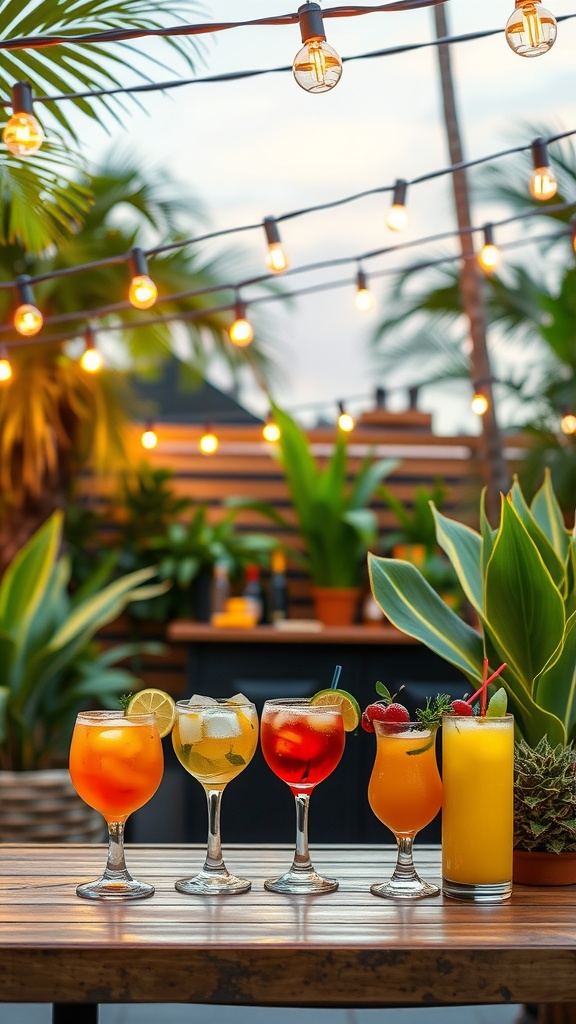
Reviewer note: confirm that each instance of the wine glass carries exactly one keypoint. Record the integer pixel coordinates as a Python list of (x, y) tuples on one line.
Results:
[(302, 743), (116, 766), (214, 741), (405, 793)]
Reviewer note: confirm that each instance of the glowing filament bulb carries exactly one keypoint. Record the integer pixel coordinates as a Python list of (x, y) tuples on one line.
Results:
[(397, 218), (142, 292), (345, 420), (531, 29), (271, 430), (208, 443), (480, 403), (317, 67), (489, 255), (568, 423), (149, 437), (5, 366), (364, 300), (91, 360), (27, 318), (241, 332), (276, 258), (22, 135)]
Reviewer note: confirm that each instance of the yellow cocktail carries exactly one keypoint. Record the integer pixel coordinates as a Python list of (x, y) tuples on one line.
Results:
[(478, 807)]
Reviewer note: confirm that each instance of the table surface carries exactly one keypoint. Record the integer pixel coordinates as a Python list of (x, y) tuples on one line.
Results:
[(345, 949)]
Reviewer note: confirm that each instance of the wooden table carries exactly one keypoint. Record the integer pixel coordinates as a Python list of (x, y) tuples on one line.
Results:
[(347, 949)]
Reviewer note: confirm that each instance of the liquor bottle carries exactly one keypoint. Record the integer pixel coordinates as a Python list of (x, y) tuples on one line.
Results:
[(253, 591), (278, 596), (220, 591)]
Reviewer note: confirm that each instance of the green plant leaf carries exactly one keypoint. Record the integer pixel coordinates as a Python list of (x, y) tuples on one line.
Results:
[(548, 515), (24, 583), (414, 607), (556, 686), (552, 561), (463, 546)]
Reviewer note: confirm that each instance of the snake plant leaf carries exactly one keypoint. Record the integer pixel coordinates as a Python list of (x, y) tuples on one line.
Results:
[(299, 467), (488, 534), (556, 686), (24, 583), (553, 562), (523, 607), (548, 515), (570, 596), (414, 607), (4, 701), (368, 479), (463, 546)]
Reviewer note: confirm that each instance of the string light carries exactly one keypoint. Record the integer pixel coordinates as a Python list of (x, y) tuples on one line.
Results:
[(276, 259), (397, 218), (480, 402), (208, 443), (91, 359), (271, 431), (27, 319), (142, 292), (22, 135), (568, 422), (573, 232), (489, 255), (364, 299), (531, 29), (345, 420), (543, 184), (241, 332), (5, 365), (149, 437), (317, 67)]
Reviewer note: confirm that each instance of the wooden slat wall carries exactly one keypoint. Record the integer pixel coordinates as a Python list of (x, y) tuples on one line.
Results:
[(245, 465)]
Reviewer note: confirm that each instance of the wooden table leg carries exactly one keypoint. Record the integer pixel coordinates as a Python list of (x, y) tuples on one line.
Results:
[(75, 1013), (557, 1013)]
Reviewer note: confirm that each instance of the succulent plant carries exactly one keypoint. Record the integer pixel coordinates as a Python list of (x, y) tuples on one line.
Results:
[(545, 797)]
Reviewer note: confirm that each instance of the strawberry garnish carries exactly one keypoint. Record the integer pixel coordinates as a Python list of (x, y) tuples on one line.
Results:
[(460, 707), (373, 712), (395, 713)]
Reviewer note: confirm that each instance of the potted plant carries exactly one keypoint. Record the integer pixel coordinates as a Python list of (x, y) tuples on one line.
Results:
[(52, 666), (335, 524), (520, 579)]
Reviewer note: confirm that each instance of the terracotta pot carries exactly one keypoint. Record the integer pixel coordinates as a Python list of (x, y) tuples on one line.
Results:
[(43, 807), (536, 868), (336, 606)]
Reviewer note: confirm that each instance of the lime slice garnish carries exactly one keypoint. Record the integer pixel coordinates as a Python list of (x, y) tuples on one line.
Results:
[(348, 704), (498, 704), (154, 702)]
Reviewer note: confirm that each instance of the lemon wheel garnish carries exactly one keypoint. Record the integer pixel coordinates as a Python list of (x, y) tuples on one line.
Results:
[(348, 704), (154, 702)]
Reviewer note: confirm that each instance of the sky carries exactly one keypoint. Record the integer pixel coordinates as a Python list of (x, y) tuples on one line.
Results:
[(263, 147)]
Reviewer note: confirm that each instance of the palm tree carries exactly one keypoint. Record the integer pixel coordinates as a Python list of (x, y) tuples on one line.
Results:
[(54, 417)]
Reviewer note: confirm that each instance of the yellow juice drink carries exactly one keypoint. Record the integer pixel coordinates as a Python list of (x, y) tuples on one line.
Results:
[(215, 743), (478, 807)]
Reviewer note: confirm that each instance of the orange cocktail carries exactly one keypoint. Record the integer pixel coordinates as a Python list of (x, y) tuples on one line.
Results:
[(116, 765), (405, 793)]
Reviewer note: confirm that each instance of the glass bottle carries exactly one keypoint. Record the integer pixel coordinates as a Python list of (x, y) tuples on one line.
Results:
[(278, 598)]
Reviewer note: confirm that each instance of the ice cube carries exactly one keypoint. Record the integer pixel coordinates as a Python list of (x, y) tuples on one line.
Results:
[(201, 701), (238, 698), (222, 724), (190, 727), (323, 723)]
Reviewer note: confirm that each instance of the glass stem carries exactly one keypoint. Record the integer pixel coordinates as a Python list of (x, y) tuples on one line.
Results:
[(214, 860), (405, 869), (116, 864), (301, 854)]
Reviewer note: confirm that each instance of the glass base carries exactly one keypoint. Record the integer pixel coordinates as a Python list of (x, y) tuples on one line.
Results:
[(304, 883), (109, 889), (405, 889), (495, 892), (207, 883)]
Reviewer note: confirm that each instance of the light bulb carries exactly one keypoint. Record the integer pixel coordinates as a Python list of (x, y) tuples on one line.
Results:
[(241, 332), (149, 438), (397, 218), (22, 135), (317, 67), (480, 403), (573, 233), (568, 423), (28, 320), (363, 300), (271, 430), (208, 443), (543, 184), (345, 420), (489, 255), (91, 360), (276, 258), (530, 29), (5, 366), (142, 292)]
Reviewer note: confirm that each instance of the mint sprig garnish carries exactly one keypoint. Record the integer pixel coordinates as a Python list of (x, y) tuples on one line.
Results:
[(431, 715)]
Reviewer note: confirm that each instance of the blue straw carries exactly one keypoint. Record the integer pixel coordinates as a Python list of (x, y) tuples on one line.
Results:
[(336, 677)]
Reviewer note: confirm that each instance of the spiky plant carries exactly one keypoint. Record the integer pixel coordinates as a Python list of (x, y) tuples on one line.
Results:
[(545, 797)]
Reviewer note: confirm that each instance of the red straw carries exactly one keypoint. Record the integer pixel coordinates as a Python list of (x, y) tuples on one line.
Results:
[(483, 700), (483, 689)]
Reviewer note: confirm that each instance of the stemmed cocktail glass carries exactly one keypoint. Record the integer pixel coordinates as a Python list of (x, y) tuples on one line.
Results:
[(405, 793), (302, 744), (214, 740), (116, 766)]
